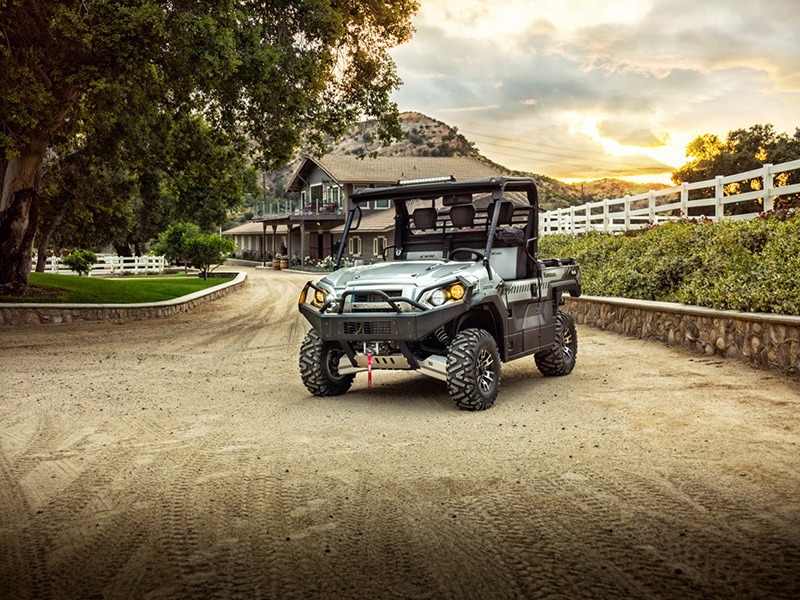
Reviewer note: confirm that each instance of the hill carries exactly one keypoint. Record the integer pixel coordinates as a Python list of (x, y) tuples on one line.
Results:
[(613, 188), (424, 136)]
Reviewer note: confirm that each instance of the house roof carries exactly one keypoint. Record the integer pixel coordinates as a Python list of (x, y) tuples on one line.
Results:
[(381, 221), (253, 229), (386, 170)]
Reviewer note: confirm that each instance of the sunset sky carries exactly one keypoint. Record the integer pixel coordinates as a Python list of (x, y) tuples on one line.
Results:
[(583, 89)]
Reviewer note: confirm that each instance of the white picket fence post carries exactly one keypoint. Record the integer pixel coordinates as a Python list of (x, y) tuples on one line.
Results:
[(685, 200), (766, 186), (719, 194), (627, 211)]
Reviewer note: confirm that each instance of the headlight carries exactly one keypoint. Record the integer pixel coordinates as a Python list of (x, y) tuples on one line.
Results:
[(438, 297), (322, 296), (451, 293), (457, 291)]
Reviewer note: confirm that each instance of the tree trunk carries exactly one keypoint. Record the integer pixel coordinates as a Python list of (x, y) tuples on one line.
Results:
[(19, 213), (41, 258), (123, 249), (19, 195), (3, 165)]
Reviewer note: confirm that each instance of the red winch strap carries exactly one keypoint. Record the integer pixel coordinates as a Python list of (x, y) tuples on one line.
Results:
[(369, 369)]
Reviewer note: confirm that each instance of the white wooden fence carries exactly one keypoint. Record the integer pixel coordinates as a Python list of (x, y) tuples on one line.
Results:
[(634, 212), (109, 264)]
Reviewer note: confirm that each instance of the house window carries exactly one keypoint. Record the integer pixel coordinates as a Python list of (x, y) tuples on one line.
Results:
[(334, 200), (354, 246), (378, 245), (382, 204), (316, 198)]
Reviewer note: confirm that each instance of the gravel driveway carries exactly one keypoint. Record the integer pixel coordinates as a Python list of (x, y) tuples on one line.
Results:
[(183, 458)]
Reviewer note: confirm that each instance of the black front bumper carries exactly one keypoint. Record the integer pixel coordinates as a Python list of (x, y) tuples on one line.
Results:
[(367, 327)]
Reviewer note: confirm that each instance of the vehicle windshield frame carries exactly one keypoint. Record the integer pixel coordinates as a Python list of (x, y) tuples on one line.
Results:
[(400, 195)]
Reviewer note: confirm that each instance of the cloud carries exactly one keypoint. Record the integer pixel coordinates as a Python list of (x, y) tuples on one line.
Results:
[(650, 78), (630, 134), (470, 108)]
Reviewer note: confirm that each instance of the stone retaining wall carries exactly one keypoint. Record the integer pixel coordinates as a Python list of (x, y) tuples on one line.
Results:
[(36, 314), (763, 340)]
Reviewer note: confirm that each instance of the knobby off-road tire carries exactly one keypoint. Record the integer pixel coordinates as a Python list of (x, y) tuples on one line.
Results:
[(319, 363), (473, 370), (560, 358)]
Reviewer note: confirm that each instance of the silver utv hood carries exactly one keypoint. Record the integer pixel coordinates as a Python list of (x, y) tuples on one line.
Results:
[(397, 275)]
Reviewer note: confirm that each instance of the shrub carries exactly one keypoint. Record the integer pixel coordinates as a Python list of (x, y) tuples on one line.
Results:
[(746, 265), (80, 261), (209, 250), (172, 242)]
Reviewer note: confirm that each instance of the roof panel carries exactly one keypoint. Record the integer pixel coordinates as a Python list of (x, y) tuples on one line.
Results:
[(386, 170)]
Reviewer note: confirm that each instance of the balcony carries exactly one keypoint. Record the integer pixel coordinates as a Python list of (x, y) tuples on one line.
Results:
[(310, 209)]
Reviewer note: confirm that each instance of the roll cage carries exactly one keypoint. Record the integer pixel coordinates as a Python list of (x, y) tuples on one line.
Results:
[(440, 231)]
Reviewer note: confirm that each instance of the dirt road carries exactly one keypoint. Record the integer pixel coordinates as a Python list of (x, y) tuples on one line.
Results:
[(183, 458)]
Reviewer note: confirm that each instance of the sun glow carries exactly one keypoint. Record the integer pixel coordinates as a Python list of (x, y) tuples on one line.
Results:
[(671, 151)]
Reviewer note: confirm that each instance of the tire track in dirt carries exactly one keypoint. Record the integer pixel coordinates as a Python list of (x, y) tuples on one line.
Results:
[(290, 528), (190, 532), (534, 545), (263, 309), (472, 560), (23, 565), (379, 535), (79, 522)]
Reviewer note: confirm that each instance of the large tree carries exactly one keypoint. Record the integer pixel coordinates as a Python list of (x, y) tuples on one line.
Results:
[(742, 150), (114, 186), (282, 72)]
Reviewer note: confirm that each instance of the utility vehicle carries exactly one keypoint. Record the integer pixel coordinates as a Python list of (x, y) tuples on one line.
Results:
[(460, 291)]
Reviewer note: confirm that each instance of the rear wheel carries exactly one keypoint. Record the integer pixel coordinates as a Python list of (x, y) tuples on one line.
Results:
[(560, 358), (319, 367), (473, 370)]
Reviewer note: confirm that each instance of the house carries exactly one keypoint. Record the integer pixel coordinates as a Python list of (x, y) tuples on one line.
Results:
[(251, 239), (311, 226)]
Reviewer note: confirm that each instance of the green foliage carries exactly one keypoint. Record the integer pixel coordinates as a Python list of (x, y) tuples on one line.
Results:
[(207, 250), (81, 261), (173, 243), (209, 73), (129, 290), (284, 69), (208, 173), (741, 151), (744, 265)]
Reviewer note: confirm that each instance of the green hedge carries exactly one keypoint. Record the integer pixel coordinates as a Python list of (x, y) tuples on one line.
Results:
[(746, 265)]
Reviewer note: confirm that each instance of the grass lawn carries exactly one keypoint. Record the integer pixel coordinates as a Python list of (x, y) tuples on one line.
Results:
[(128, 290)]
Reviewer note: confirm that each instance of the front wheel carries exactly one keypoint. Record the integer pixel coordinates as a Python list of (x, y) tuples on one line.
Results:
[(559, 359), (319, 367), (473, 370)]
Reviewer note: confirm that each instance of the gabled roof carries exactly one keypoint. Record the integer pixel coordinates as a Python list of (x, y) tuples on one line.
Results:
[(253, 229), (386, 170), (380, 221)]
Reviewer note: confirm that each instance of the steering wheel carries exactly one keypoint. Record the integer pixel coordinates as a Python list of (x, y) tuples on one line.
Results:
[(472, 251), (386, 249)]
